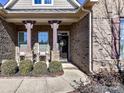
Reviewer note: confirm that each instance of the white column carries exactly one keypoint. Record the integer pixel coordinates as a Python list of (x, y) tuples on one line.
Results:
[(29, 26), (55, 55), (55, 26)]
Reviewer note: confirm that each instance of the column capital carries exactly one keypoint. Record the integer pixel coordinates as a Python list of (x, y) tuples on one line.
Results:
[(29, 21), (54, 21), (54, 24), (29, 24)]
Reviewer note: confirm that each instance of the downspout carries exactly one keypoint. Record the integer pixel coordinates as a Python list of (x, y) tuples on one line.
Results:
[(90, 39)]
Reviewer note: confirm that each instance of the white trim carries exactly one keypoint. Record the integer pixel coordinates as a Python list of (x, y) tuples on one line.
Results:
[(90, 42), (76, 2), (50, 12), (41, 20), (68, 34), (42, 3), (10, 2)]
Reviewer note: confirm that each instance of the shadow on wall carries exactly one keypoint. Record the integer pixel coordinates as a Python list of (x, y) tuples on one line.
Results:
[(80, 44)]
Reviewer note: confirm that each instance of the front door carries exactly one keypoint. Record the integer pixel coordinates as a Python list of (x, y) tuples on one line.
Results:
[(63, 41)]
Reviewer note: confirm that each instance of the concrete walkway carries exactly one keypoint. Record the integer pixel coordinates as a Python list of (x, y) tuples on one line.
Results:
[(61, 84)]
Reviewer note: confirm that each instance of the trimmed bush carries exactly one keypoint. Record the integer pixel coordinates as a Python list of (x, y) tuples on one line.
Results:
[(9, 68), (25, 67), (40, 68), (55, 67)]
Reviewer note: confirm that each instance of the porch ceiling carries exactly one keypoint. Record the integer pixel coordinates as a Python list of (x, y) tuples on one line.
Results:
[(41, 18)]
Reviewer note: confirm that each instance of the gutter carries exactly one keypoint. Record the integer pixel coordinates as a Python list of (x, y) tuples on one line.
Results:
[(90, 32), (90, 39)]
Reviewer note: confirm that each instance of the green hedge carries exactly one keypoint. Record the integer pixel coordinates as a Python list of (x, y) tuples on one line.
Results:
[(40, 68), (25, 67), (55, 67), (9, 67)]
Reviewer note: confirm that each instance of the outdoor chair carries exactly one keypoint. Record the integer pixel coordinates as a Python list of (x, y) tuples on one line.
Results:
[(22, 53), (42, 51)]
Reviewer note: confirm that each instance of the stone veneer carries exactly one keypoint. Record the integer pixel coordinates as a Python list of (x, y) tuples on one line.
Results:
[(79, 39), (102, 34), (7, 41)]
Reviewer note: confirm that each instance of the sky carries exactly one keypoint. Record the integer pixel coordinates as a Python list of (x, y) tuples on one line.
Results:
[(5, 1)]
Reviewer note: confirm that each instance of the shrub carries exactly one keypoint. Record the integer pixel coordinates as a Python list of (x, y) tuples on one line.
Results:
[(100, 83), (55, 67), (9, 68), (40, 68), (25, 67), (107, 78)]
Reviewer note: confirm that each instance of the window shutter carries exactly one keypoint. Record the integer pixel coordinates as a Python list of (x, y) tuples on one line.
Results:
[(115, 37)]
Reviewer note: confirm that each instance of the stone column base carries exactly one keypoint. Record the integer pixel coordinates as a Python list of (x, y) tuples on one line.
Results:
[(55, 55), (29, 56)]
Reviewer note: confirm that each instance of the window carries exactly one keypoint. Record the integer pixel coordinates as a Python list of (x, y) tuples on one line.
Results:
[(43, 2), (122, 38), (43, 37), (47, 1), (37, 1), (22, 38)]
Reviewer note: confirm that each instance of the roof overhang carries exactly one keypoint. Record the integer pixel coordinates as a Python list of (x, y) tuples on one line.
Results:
[(89, 4), (66, 18), (43, 18), (10, 2)]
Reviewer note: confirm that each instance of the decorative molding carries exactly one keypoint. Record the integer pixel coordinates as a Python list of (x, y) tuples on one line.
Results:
[(29, 21), (54, 21)]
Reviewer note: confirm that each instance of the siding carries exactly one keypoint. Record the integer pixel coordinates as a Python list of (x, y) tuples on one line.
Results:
[(28, 4)]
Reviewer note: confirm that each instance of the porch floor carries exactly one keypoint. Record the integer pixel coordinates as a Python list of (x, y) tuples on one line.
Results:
[(61, 84)]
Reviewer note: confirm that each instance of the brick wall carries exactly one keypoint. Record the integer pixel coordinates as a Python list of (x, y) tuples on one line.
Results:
[(7, 40), (80, 44)]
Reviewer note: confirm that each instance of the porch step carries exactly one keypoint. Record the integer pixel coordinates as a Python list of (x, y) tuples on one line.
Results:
[(68, 66)]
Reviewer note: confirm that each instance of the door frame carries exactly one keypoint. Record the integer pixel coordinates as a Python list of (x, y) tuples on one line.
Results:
[(68, 34)]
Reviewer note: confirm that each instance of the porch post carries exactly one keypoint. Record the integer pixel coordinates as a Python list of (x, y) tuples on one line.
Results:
[(55, 51), (29, 26)]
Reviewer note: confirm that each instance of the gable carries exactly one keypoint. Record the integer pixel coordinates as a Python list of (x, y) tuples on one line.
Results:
[(28, 4)]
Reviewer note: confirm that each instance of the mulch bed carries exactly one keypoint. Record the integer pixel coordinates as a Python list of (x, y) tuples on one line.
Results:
[(56, 74), (17, 75)]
